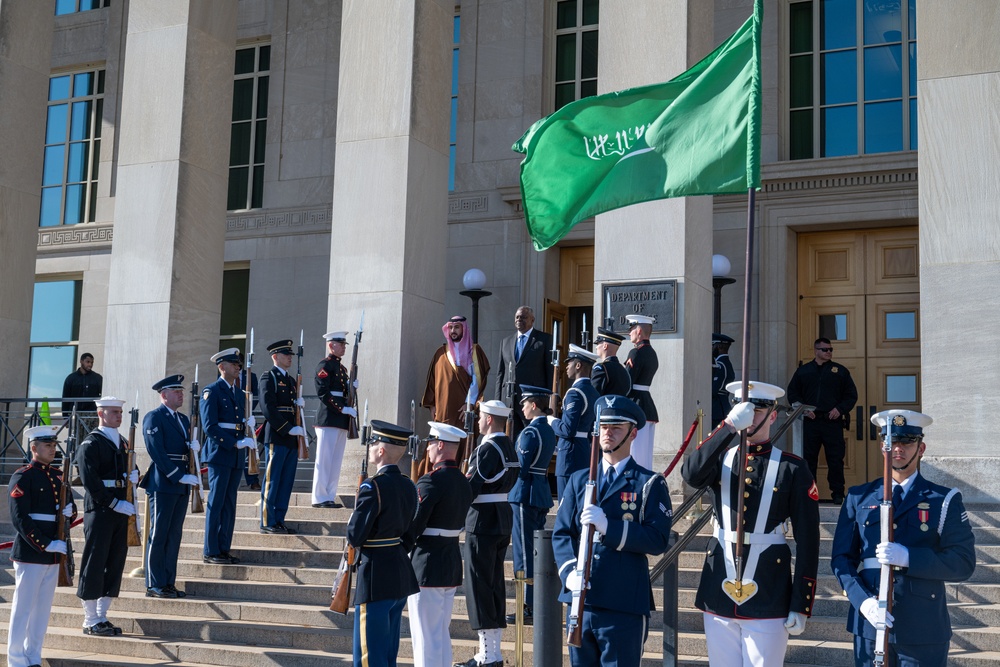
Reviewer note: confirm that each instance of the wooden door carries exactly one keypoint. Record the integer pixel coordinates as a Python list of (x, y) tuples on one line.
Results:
[(556, 323)]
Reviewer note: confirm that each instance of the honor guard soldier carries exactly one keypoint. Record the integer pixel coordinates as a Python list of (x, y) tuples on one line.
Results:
[(168, 484), (531, 497), (385, 508), (573, 427), (226, 433), (487, 532), (278, 400), (444, 496), (34, 509), (642, 365), (722, 375), (609, 376), (333, 419), (932, 544), (750, 624), (632, 519), (103, 464)]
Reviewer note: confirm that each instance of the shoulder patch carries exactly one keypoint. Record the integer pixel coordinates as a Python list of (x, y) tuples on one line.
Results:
[(322, 373), (814, 491), (16, 492), (206, 394)]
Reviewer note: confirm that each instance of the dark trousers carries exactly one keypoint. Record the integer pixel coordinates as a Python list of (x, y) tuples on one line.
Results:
[(527, 520), (901, 655), (105, 549), (828, 434), (167, 512), (376, 632), (278, 480), (609, 638), (485, 588), (220, 512)]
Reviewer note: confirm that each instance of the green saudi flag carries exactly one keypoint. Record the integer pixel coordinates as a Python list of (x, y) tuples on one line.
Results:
[(697, 134)]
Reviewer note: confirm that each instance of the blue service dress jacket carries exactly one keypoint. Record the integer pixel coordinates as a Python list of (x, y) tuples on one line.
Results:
[(167, 446), (534, 447), (574, 426), (932, 524), (222, 409)]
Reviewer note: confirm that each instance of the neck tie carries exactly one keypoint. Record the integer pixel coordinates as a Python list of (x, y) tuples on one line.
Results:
[(609, 478), (897, 496), (180, 421), (519, 347)]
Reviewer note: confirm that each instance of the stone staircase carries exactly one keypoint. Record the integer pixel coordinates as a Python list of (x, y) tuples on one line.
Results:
[(272, 608)]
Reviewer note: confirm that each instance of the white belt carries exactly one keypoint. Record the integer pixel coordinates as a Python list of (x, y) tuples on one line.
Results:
[(43, 517), (114, 483), (582, 434), (538, 471), (776, 536), (441, 532), (233, 427), (870, 564), (641, 387), (337, 394), (489, 498)]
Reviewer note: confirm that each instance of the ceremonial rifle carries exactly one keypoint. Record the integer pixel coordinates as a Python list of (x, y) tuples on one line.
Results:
[(253, 466), (194, 465), (509, 391), (413, 444), (470, 433), (65, 497), (554, 398), (585, 552), (342, 583), (885, 583), (134, 539), (352, 391), (300, 417), (585, 334)]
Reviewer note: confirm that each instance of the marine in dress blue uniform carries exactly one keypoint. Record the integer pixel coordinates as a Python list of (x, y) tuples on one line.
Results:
[(168, 484), (332, 421), (385, 508), (722, 375), (609, 376), (492, 471), (642, 364), (754, 630), (34, 509), (278, 400), (531, 497), (222, 409), (444, 496), (632, 519), (574, 425), (933, 543)]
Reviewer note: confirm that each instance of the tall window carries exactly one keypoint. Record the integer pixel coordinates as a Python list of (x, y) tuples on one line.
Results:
[(453, 133), (249, 133), (55, 333), (235, 296), (852, 77), (73, 6), (576, 50), (72, 148)]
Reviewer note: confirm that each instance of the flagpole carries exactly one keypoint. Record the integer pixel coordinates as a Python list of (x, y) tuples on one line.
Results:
[(745, 383)]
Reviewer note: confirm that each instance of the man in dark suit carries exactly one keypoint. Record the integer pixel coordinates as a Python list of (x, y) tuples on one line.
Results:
[(168, 483), (524, 359), (933, 543)]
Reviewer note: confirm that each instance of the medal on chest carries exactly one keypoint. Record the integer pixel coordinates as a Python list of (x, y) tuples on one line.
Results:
[(924, 514)]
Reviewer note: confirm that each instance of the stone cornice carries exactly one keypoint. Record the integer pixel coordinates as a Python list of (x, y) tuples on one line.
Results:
[(89, 236), (278, 222)]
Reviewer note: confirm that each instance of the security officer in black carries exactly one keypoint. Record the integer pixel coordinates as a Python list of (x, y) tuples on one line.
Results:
[(609, 376), (829, 387), (168, 483), (278, 400), (385, 508), (444, 496), (722, 374), (488, 526), (102, 460)]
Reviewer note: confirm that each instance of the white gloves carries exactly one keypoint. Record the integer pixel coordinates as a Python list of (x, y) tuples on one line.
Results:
[(67, 511), (869, 609), (796, 623), (246, 443), (892, 553), (134, 477), (355, 385), (740, 416), (574, 582), (190, 480), (251, 423), (296, 431), (551, 420), (124, 507), (595, 516), (350, 411), (56, 547), (195, 446), (300, 402)]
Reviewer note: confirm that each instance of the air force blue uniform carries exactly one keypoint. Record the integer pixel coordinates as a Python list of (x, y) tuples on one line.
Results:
[(166, 436), (932, 524), (222, 420), (573, 429)]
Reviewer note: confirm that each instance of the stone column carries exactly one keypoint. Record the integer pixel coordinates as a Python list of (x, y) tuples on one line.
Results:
[(390, 195), (958, 70), (165, 286), (662, 240), (25, 56)]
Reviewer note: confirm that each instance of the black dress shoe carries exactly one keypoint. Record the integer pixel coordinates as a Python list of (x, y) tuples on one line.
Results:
[(528, 617), (838, 498), (255, 487), (217, 559), (271, 530), (177, 593), (233, 560), (100, 630), (333, 504), (319, 505), (286, 529), (160, 592), (471, 662), (115, 630)]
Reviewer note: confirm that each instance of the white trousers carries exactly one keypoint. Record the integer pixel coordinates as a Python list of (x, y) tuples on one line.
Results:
[(642, 446), (430, 616), (34, 588), (330, 444), (743, 642)]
